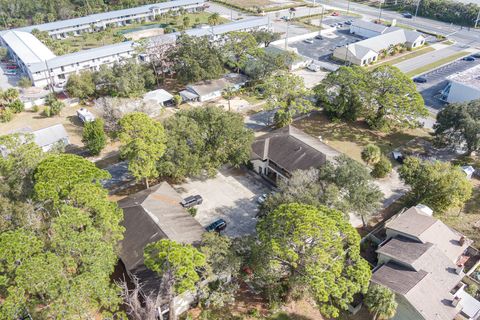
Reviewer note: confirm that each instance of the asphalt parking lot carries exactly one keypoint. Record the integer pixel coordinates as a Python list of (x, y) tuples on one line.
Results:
[(436, 82), (322, 49), (7, 81), (231, 195)]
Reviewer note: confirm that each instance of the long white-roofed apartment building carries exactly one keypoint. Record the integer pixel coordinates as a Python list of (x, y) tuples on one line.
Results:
[(44, 68)]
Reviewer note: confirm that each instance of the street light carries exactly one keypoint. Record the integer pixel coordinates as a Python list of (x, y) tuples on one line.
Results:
[(380, 12), (291, 14)]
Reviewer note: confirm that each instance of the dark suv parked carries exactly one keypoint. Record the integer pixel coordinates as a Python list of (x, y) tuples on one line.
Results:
[(191, 201), (217, 225)]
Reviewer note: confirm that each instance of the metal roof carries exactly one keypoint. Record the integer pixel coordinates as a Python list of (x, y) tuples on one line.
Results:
[(469, 77), (127, 46), (50, 135), (26, 46), (380, 28), (98, 17)]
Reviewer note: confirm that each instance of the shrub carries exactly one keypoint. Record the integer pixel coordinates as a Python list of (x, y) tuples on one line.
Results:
[(53, 108), (371, 154), (472, 289), (6, 115), (382, 168), (16, 106), (35, 108), (192, 211), (177, 99), (24, 82)]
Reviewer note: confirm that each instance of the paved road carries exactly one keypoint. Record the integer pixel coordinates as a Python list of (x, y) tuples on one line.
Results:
[(462, 35), (424, 59)]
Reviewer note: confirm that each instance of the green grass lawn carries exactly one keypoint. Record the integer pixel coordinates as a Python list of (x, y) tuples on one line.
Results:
[(407, 56), (114, 35), (350, 138), (437, 63)]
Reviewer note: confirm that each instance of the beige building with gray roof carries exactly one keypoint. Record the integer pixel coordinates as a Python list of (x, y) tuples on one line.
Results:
[(422, 261)]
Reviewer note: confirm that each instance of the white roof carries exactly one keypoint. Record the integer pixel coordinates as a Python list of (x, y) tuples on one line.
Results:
[(469, 77), (159, 96), (380, 28), (98, 17), (50, 135), (471, 306), (27, 47), (468, 169)]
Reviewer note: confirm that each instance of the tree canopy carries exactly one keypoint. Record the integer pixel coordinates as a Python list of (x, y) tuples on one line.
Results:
[(385, 97), (59, 248), (439, 185), (381, 302), (143, 144), (195, 59), (94, 136), (182, 261), (214, 137), (312, 251), (345, 185), (286, 92), (459, 125)]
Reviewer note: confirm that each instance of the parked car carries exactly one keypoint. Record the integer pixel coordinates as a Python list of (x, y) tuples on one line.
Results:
[(10, 67), (191, 201), (217, 225), (318, 37), (407, 15), (335, 14), (314, 67), (469, 58), (85, 115), (10, 72), (420, 79), (261, 199), (348, 22), (398, 156), (310, 41), (286, 18)]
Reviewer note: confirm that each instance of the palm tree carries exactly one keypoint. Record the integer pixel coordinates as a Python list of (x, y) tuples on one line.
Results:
[(228, 94), (381, 302), (214, 19)]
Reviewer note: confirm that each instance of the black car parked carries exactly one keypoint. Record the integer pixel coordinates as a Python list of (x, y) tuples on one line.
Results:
[(191, 201), (420, 79), (217, 225)]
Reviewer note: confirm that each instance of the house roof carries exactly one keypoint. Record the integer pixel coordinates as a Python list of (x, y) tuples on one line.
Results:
[(399, 279), (27, 47), (380, 28), (415, 223), (159, 96), (151, 215), (98, 17), (404, 249), (50, 135), (292, 149), (209, 86), (471, 306)]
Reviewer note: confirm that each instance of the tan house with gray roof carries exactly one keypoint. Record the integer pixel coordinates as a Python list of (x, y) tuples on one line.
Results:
[(422, 261)]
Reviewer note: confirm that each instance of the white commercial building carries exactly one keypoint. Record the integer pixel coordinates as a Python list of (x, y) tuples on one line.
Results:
[(99, 21), (463, 86), (44, 68), (379, 38)]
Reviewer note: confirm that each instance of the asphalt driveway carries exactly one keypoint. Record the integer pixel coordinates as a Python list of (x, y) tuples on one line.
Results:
[(231, 195)]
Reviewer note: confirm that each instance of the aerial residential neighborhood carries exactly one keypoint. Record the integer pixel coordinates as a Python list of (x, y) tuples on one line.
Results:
[(239, 159)]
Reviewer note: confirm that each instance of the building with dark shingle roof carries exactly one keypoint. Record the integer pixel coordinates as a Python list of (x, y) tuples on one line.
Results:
[(151, 215), (277, 154)]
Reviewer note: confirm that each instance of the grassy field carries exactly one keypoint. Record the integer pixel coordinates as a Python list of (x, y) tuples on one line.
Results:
[(437, 64), (404, 57), (350, 138), (114, 35)]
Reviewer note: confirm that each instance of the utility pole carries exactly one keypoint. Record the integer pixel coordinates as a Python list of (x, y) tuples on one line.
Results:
[(380, 12), (478, 18), (348, 8), (321, 20), (291, 14), (416, 10)]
